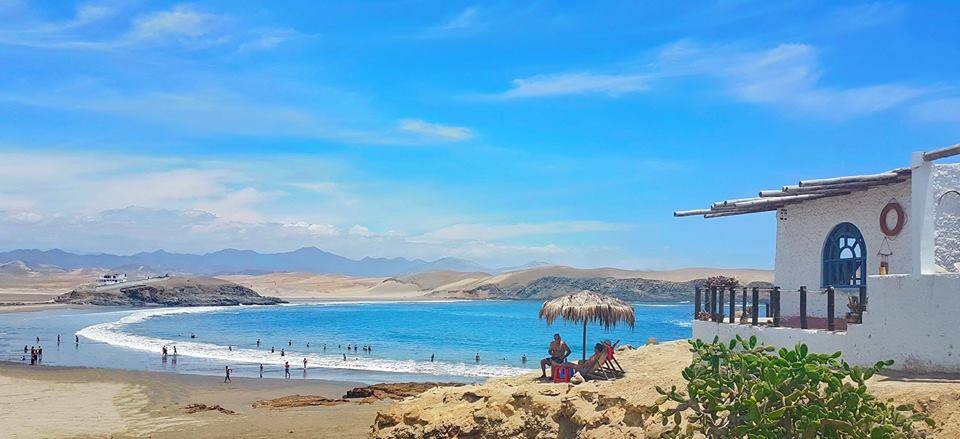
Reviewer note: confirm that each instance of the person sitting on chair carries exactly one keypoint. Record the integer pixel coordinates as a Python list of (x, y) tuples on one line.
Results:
[(559, 351)]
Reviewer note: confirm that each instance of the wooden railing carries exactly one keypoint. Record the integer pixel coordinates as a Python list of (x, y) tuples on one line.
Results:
[(709, 305)]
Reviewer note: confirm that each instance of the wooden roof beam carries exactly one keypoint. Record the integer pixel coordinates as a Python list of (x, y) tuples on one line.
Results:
[(942, 153)]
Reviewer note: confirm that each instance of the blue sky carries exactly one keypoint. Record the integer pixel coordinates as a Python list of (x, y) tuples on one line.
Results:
[(500, 132)]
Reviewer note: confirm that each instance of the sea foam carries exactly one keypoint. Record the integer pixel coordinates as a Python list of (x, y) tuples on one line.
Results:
[(112, 333)]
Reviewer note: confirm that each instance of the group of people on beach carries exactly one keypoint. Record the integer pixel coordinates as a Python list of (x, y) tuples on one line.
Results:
[(164, 351), (36, 352)]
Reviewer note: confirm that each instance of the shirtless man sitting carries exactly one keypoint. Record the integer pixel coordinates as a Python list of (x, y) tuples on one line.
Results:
[(559, 351)]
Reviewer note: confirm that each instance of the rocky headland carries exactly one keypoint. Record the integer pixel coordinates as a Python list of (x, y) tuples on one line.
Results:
[(548, 287), (171, 291)]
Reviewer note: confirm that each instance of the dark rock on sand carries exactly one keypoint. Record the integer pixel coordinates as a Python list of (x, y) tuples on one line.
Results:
[(172, 291)]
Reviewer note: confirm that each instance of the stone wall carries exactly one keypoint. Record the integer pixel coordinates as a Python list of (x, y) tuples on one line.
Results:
[(909, 319)]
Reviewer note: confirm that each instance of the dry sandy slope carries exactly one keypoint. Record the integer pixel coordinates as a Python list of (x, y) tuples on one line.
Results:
[(524, 277), (523, 407), (326, 286), (36, 286)]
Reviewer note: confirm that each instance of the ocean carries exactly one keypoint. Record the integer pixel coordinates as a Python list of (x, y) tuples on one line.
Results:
[(402, 337)]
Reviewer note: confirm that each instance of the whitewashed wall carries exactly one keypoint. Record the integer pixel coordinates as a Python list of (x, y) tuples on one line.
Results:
[(947, 236), (801, 235), (910, 319)]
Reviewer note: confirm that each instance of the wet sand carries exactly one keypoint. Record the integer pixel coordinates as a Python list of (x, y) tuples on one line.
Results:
[(44, 401)]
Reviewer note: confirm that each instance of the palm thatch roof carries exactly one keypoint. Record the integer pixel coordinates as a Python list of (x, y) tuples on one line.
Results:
[(587, 306)]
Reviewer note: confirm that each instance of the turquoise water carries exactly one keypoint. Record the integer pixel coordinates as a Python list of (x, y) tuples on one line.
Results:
[(403, 336)]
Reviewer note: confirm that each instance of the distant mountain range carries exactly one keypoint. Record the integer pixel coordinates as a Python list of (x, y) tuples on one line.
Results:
[(231, 261)]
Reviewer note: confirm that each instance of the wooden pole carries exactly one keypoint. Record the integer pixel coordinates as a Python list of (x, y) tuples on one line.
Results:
[(713, 304), (851, 179), (584, 340), (696, 302), (803, 307), (831, 297), (941, 153), (743, 306), (776, 306), (733, 304), (720, 306)]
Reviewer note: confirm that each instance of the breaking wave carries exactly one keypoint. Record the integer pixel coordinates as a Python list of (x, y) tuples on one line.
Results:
[(112, 333)]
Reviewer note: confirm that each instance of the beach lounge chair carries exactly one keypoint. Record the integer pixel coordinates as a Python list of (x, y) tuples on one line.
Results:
[(593, 368), (610, 363)]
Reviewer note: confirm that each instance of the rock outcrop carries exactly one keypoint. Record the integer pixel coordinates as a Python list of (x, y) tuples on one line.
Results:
[(548, 287), (525, 407), (173, 291)]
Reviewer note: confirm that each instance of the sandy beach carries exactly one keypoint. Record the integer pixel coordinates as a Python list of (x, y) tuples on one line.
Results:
[(86, 402)]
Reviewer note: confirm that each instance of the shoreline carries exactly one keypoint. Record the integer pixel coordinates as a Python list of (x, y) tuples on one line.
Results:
[(60, 401)]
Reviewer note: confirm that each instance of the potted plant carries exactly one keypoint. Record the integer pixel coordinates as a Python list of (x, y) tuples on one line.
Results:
[(853, 304)]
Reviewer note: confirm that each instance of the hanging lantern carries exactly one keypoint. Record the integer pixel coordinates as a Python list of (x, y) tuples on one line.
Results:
[(884, 254)]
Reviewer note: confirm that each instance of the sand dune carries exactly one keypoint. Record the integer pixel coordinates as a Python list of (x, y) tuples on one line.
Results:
[(524, 277), (20, 284), (325, 286)]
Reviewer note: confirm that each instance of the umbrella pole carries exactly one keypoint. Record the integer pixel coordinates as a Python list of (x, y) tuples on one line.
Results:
[(584, 340)]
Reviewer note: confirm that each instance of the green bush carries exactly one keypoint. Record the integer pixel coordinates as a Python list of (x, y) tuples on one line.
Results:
[(741, 389)]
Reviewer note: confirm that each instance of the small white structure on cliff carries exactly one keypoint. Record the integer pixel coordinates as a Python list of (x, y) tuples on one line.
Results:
[(885, 247), (112, 278)]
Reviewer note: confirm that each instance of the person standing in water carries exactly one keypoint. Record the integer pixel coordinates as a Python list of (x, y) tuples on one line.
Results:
[(304, 363), (226, 378), (431, 357), (261, 370), (477, 358), (77, 338), (344, 357), (174, 350), (58, 339), (286, 369), (258, 342), (282, 353)]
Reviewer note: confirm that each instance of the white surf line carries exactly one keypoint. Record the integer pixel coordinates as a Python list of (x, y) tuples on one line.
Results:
[(111, 333)]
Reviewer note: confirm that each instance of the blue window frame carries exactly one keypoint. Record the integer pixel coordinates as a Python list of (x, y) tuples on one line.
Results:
[(844, 258)]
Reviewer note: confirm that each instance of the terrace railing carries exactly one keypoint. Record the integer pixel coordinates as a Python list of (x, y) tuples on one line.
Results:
[(709, 303)]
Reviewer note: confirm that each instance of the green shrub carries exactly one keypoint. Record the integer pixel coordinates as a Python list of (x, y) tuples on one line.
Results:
[(741, 389)]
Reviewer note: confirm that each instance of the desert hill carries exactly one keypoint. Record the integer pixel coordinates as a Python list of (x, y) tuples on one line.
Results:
[(169, 291)]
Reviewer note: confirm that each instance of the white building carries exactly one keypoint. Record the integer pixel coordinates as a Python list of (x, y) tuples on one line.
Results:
[(892, 237), (112, 278)]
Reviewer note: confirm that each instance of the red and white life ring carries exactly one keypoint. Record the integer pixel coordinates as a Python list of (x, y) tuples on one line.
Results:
[(895, 207)]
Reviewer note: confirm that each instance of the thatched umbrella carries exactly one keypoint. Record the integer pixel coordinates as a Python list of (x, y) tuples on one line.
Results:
[(586, 307)]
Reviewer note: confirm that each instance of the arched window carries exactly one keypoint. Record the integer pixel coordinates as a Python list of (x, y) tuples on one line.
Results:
[(844, 258)]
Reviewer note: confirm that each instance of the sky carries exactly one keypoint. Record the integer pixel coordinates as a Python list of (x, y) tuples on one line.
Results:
[(500, 132)]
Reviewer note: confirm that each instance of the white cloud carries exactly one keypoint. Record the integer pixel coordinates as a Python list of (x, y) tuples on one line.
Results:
[(493, 232), (237, 206), (465, 19), (788, 76), (121, 203), (436, 131), (577, 83), (182, 25), (181, 22), (323, 187), (133, 229), (268, 39), (358, 230)]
